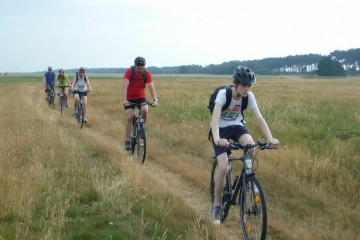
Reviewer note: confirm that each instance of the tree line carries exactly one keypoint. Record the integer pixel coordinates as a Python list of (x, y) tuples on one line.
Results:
[(337, 63)]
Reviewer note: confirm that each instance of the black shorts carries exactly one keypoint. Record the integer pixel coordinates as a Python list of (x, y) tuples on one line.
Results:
[(81, 94), (233, 132), (136, 101)]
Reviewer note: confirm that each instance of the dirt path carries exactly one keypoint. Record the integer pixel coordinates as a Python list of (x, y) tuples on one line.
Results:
[(172, 181)]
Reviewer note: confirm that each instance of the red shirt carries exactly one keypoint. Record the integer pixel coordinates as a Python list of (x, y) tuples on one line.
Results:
[(136, 88)]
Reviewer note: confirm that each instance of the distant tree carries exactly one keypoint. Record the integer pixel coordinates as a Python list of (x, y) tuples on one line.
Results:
[(330, 67)]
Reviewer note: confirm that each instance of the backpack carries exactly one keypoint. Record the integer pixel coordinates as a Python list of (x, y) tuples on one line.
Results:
[(244, 102), (133, 74)]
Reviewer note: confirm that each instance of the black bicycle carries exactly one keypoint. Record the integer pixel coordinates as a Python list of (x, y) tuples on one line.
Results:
[(50, 96), (244, 190), (63, 103), (138, 137), (80, 115)]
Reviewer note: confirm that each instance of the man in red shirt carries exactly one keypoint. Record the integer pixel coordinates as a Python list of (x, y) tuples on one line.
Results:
[(135, 80)]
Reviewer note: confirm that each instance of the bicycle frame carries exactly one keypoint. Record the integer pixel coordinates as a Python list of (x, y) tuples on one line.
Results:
[(138, 136)]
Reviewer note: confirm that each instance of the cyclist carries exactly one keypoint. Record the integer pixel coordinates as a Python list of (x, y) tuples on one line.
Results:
[(134, 83), (228, 124), (62, 82), (49, 81), (80, 86)]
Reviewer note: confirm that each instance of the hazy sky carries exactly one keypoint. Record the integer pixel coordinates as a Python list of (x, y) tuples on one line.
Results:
[(111, 33)]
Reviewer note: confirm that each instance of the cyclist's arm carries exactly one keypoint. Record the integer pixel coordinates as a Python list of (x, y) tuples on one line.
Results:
[(214, 125), (88, 85), (73, 83), (126, 83), (263, 126), (152, 91)]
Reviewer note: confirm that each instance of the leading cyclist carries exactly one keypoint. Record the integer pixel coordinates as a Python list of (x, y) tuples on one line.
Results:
[(229, 124)]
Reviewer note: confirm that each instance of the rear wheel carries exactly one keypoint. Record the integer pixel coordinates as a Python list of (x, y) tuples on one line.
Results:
[(141, 145), (253, 215)]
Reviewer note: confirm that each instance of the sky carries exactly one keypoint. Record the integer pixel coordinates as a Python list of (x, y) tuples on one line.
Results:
[(35, 34)]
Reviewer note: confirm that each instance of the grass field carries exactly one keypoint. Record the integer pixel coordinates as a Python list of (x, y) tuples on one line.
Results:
[(62, 182)]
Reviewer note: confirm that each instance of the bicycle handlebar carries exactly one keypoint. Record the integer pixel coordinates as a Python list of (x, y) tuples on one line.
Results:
[(63, 86), (139, 104), (259, 145)]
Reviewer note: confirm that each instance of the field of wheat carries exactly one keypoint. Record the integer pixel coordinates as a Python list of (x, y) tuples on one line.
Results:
[(62, 182)]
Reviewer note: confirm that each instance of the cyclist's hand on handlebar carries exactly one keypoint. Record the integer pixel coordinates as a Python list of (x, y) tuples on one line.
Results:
[(154, 104), (222, 143), (273, 142)]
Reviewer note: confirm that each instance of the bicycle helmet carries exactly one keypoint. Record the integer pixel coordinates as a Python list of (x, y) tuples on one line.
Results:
[(140, 61), (81, 69), (49, 68), (244, 75)]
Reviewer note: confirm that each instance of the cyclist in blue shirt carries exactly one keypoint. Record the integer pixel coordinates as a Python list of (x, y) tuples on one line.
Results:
[(49, 81)]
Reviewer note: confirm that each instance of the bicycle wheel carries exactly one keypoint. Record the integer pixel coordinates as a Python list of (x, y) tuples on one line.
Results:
[(226, 196), (80, 116), (134, 136), (62, 105), (52, 100), (141, 145), (253, 215)]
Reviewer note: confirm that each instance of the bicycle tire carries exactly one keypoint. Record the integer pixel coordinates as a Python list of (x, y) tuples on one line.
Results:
[(80, 116), (225, 202), (134, 136), (52, 100), (253, 213), (62, 105), (141, 145)]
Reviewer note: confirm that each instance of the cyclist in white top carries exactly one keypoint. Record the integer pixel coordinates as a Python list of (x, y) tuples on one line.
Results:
[(229, 124), (80, 86)]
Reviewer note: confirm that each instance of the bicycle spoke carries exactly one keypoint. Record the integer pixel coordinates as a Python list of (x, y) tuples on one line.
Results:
[(141, 148), (253, 210)]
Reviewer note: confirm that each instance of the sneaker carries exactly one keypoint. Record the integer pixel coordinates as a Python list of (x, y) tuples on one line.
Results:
[(85, 120), (215, 214), (74, 113), (127, 144)]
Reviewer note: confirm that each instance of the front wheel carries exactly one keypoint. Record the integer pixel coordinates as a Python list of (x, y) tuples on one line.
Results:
[(62, 105), (141, 146), (80, 116), (253, 214)]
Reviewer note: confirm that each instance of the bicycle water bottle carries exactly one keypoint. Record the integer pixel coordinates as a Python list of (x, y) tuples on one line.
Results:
[(248, 166)]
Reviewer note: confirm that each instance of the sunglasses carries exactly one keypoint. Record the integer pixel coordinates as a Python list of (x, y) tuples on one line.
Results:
[(82, 71), (140, 65)]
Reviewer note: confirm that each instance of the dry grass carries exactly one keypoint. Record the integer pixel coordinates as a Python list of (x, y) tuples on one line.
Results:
[(48, 166)]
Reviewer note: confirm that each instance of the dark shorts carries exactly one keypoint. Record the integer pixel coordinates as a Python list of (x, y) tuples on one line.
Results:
[(232, 132), (136, 101), (81, 94)]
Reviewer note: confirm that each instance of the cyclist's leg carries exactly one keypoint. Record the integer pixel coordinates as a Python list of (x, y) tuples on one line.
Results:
[(129, 112), (247, 139), (222, 169), (76, 100), (144, 111), (84, 98)]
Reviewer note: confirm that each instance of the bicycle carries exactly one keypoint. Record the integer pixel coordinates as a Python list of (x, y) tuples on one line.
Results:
[(80, 115), (63, 103), (50, 96), (138, 137), (244, 190)]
